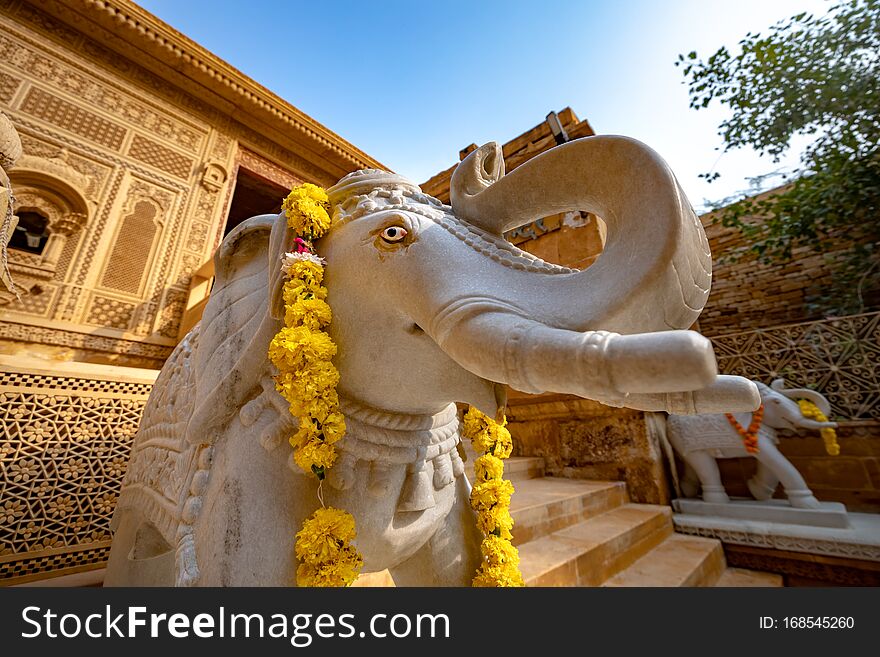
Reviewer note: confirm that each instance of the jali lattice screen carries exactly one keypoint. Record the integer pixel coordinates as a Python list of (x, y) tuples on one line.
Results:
[(66, 436), (840, 357)]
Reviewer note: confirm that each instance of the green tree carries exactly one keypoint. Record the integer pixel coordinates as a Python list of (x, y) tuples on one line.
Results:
[(817, 76)]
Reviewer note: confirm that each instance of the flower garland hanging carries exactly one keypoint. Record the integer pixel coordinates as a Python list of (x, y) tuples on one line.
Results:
[(307, 379), (750, 435), (490, 498), (829, 435), (302, 351)]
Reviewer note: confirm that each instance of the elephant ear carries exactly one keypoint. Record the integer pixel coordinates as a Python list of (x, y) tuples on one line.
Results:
[(237, 324)]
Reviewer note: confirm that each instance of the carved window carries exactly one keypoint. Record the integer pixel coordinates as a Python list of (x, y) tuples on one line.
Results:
[(31, 233), (132, 249), (52, 210)]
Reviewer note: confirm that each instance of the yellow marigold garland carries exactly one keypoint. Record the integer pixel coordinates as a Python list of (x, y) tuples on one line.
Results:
[(829, 436), (302, 351), (490, 498)]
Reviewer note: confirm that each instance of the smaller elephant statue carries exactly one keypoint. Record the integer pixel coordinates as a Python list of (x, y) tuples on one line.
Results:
[(700, 439)]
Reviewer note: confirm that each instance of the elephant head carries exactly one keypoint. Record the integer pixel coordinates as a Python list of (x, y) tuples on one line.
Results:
[(432, 305), (781, 410)]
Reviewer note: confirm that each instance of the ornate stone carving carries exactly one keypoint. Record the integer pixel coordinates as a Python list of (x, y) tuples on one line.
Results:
[(105, 311), (62, 73), (350, 157), (94, 174), (55, 190), (159, 156), (36, 295), (172, 310), (222, 146), (143, 218), (189, 262), (21, 332), (838, 543), (838, 356), (9, 84), (58, 167), (267, 169), (197, 237), (214, 176), (66, 442), (70, 223), (56, 111)]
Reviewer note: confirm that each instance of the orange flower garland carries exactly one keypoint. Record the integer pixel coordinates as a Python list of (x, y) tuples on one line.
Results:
[(750, 435)]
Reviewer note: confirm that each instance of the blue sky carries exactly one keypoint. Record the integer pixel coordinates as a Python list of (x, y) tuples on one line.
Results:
[(411, 83)]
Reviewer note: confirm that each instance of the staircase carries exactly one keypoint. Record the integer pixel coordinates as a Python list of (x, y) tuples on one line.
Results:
[(573, 532), (587, 533)]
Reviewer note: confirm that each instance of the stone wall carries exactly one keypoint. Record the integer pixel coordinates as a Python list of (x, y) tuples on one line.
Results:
[(119, 173), (747, 294), (133, 138), (583, 439)]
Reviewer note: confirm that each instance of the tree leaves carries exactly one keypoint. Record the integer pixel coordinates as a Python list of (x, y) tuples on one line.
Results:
[(817, 76)]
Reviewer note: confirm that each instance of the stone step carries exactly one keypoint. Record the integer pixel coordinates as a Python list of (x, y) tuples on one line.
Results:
[(678, 561), (740, 577), (516, 468), (542, 506), (591, 551), (381, 579)]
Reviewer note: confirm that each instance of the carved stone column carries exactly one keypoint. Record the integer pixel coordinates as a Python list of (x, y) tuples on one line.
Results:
[(61, 229)]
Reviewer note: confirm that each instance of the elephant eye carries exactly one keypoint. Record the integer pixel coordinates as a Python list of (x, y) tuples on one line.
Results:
[(393, 234)]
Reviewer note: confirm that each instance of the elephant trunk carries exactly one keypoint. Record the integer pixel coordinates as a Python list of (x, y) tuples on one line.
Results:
[(655, 271), (803, 393), (673, 371), (807, 423), (654, 275)]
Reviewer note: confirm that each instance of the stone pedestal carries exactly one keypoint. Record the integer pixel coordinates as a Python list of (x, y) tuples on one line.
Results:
[(859, 541), (831, 514)]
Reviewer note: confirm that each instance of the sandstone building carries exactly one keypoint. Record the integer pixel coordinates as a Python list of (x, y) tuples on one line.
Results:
[(141, 150)]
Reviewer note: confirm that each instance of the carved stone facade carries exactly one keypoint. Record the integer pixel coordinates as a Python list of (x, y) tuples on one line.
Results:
[(132, 174), (134, 143)]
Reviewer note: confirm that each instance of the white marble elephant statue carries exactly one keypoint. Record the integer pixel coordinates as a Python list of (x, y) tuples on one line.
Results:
[(700, 439), (431, 306)]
